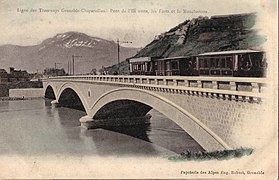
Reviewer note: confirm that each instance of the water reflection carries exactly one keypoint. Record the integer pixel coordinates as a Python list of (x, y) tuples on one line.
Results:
[(34, 127), (140, 131), (112, 143), (119, 141)]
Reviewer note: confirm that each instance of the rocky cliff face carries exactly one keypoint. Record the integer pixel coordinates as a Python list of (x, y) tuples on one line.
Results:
[(203, 34)]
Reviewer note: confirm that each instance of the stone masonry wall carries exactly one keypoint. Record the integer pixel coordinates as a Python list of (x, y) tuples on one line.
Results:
[(234, 121), (30, 92)]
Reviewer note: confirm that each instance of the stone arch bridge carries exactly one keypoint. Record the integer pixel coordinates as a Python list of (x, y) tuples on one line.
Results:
[(218, 112)]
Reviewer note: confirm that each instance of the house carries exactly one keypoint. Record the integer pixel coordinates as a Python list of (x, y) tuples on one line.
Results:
[(3, 76), (54, 72), (13, 76)]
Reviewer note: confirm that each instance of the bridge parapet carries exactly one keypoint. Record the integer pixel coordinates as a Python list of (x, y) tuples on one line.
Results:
[(231, 88)]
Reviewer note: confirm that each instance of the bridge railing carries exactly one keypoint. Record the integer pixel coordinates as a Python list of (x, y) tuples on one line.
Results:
[(251, 87)]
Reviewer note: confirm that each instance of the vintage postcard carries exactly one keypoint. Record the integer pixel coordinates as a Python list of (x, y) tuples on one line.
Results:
[(139, 89)]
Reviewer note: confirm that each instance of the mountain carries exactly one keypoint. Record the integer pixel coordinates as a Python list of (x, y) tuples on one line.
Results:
[(95, 53), (203, 34)]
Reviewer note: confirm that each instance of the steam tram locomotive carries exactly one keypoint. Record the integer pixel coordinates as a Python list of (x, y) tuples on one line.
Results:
[(237, 63)]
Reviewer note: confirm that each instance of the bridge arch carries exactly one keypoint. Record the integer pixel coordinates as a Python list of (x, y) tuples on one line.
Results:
[(49, 92), (69, 98), (123, 108), (74, 91), (194, 127)]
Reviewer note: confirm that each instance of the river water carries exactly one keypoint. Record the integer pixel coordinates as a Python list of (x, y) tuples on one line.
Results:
[(34, 127)]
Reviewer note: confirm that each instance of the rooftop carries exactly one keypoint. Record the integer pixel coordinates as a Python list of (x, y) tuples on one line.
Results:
[(228, 52)]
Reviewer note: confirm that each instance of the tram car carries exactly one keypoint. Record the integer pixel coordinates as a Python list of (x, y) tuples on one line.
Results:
[(237, 63), (142, 66)]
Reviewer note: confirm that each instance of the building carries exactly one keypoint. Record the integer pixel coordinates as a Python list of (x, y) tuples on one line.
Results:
[(3, 76), (54, 72), (13, 76), (18, 75)]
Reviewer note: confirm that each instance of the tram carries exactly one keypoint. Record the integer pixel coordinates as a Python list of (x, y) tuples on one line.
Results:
[(236, 63)]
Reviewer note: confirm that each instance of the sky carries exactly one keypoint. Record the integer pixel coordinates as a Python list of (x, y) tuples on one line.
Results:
[(26, 22)]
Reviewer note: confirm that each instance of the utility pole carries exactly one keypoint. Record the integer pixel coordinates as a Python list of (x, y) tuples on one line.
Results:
[(73, 59), (68, 67), (118, 53), (118, 64), (73, 64)]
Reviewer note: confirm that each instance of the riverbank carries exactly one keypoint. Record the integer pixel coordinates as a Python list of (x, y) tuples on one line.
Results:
[(19, 98), (4, 88), (215, 155), (26, 93)]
